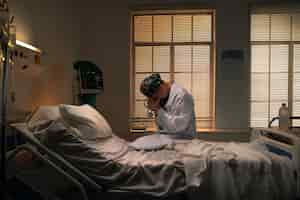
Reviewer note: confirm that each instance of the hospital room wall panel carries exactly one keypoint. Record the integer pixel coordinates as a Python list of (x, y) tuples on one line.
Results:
[(31, 89), (105, 41), (53, 27), (232, 78)]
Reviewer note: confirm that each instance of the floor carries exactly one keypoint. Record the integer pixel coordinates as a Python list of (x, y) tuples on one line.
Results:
[(16, 190)]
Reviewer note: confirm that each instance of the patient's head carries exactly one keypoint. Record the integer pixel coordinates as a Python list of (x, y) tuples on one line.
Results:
[(151, 85), (155, 88)]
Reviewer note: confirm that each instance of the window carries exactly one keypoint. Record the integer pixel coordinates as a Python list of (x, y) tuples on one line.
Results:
[(179, 46), (275, 63)]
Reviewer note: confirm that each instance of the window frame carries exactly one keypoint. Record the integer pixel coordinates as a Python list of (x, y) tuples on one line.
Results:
[(171, 44), (290, 43)]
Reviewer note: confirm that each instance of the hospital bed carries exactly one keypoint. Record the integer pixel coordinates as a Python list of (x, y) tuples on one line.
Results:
[(86, 184), (195, 169)]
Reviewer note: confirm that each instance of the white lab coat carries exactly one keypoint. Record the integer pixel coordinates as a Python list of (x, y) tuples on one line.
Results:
[(177, 118)]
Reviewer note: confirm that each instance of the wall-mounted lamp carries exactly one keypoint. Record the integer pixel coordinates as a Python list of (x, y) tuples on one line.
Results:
[(28, 46)]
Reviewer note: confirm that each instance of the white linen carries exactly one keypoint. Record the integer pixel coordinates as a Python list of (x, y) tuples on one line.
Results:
[(238, 170), (42, 117), (151, 142), (87, 122), (231, 170), (177, 118)]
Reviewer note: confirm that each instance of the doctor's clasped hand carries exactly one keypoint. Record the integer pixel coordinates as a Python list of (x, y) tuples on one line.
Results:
[(153, 104)]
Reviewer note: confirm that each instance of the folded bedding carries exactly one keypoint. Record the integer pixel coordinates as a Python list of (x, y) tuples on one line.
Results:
[(154, 141)]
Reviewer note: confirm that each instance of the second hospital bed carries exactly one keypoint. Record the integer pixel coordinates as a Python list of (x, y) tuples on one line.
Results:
[(197, 168)]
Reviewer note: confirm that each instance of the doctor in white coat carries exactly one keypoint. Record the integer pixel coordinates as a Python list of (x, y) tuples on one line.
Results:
[(173, 107)]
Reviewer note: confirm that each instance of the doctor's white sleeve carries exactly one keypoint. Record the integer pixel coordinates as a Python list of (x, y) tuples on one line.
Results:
[(180, 121)]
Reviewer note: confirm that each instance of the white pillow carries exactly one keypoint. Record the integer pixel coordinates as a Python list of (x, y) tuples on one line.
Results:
[(88, 121), (46, 124), (152, 142), (42, 118)]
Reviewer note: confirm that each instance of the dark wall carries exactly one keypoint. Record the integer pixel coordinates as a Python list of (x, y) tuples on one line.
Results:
[(54, 27)]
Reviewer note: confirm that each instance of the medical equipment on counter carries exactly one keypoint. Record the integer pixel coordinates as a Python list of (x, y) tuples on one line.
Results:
[(284, 121), (283, 117)]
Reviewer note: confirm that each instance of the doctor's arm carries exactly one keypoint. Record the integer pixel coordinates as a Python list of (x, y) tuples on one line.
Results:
[(179, 122)]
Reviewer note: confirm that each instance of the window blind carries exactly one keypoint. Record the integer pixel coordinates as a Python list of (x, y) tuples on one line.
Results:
[(182, 28), (183, 58), (178, 46), (143, 59), (162, 55), (280, 27), (296, 27), (162, 26), (274, 62), (259, 85), (143, 28), (202, 28), (260, 27), (296, 83)]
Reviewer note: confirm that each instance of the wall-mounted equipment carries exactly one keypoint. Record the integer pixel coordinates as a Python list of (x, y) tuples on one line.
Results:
[(232, 55), (90, 77), (28, 46), (90, 82)]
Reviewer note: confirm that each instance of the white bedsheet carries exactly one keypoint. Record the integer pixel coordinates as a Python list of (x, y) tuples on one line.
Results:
[(232, 170), (205, 169), (154, 141)]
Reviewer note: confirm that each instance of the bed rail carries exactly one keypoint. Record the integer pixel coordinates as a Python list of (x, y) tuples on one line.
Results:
[(277, 118), (55, 160), (52, 165)]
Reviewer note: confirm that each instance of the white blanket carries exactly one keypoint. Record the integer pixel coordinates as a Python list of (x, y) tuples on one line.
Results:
[(152, 142), (231, 170)]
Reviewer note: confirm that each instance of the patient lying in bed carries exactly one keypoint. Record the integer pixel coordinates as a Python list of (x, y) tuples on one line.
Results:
[(226, 170)]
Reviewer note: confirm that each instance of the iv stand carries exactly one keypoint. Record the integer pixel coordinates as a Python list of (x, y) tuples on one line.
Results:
[(4, 42), (3, 119)]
